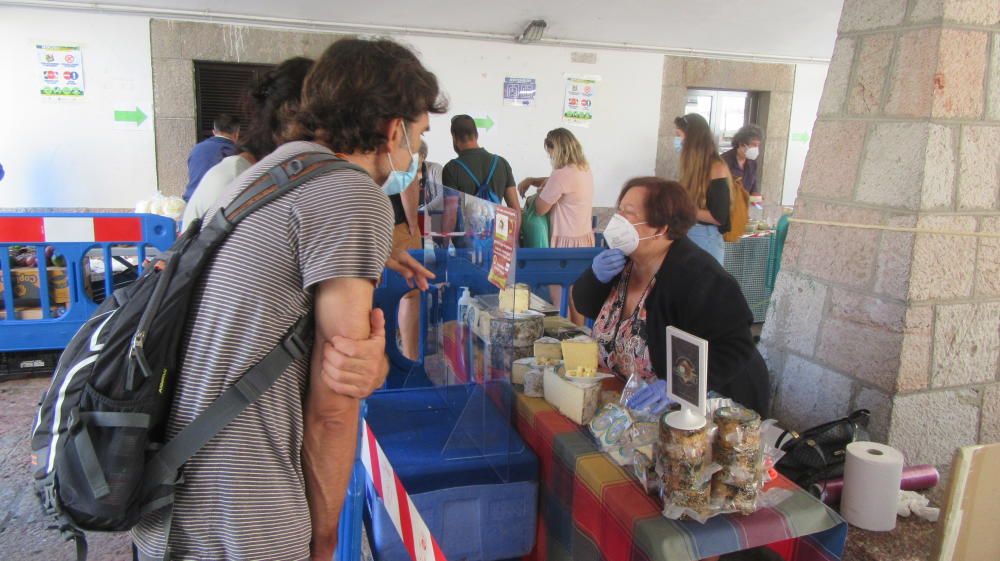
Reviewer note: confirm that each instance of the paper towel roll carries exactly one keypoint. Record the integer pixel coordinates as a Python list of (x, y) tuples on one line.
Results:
[(872, 473)]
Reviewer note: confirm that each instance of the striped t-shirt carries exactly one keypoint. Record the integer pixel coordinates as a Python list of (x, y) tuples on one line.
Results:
[(243, 495)]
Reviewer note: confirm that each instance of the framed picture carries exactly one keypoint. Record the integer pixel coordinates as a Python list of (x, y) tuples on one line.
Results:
[(687, 360)]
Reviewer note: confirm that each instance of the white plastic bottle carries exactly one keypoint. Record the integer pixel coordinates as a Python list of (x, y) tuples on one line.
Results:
[(464, 328), (464, 307)]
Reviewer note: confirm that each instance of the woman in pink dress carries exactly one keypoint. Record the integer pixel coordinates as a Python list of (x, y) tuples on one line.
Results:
[(566, 197)]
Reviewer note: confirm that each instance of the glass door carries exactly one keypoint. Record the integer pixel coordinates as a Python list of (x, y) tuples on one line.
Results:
[(726, 111)]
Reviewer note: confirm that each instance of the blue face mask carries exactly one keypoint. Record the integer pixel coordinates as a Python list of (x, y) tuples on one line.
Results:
[(398, 181), (678, 143)]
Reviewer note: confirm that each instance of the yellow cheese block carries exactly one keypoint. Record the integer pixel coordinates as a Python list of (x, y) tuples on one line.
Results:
[(515, 298), (580, 355), (579, 404), (548, 351)]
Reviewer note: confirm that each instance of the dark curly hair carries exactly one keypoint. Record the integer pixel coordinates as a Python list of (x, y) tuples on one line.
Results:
[(357, 86), (272, 101), (667, 204), (747, 134)]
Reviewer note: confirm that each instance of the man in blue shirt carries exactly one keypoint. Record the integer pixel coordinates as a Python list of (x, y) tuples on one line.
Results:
[(208, 152)]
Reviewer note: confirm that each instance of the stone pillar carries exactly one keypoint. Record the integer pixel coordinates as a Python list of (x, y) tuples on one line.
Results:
[(904, 323)]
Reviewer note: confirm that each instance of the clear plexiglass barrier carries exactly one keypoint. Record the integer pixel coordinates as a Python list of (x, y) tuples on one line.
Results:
[(458, 391)]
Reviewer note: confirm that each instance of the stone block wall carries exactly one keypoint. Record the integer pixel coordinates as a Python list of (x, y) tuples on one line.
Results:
[(175, 46), (904, 322), (775, 81)]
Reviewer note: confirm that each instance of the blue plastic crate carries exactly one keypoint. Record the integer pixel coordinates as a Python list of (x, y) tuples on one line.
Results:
[(479, 506)]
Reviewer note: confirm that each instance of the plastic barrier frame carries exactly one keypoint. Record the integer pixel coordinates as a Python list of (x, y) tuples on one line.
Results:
[(74, 236)]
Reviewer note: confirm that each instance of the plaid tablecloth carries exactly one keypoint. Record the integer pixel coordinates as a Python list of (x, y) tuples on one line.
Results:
[(594, 510)]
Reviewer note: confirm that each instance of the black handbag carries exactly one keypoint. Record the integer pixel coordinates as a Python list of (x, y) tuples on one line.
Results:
[(818, 454)]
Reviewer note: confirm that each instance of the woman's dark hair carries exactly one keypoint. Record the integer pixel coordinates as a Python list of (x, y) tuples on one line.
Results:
[(747, 134), (357, 86), (272, 102), (667, 204)]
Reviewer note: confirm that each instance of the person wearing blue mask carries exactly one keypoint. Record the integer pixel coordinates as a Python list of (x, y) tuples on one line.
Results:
[(272, 483), (653, 276), (406, 237)]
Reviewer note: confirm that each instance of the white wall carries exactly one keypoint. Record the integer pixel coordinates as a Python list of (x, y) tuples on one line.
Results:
[(72, 153), (620, 142), (809, 80)]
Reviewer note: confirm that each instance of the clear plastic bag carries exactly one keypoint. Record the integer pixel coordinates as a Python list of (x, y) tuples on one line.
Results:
[(634, 384), (609, 425)]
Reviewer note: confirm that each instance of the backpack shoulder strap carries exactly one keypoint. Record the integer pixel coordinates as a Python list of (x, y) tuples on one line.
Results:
[(281, 179), (468, 171), (493, 169), (163, 467)]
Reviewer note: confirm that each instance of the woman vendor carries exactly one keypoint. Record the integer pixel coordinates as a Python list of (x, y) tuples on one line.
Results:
[(653, 277)]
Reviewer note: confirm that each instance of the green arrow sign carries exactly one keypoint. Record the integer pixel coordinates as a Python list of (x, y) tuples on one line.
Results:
[(486, 123), (800, 137), (137, 116)]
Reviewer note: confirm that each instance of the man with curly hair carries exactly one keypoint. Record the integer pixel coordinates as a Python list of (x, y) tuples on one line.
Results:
[(271, 484)]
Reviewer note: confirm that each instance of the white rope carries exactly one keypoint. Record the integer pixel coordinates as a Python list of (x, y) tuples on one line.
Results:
[(896, 228)]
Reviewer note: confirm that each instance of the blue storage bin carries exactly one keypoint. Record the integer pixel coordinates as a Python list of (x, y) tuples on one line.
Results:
[(479, 507)]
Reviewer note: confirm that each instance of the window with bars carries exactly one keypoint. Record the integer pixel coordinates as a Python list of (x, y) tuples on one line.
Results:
[(223, 87)]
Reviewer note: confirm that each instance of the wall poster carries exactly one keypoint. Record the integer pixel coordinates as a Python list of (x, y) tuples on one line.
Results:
[(60, 71)]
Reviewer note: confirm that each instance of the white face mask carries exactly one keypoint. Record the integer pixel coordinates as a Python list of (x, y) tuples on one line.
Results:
[(621, 234), (752, 153)]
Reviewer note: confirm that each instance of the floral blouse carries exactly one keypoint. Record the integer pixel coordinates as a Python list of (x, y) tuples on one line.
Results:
[(622, 341)]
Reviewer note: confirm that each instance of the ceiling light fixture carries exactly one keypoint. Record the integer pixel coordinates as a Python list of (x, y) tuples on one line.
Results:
[(532, 33)]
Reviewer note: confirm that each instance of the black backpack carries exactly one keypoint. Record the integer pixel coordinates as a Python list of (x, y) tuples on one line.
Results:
[(98, 445), (819, 453)]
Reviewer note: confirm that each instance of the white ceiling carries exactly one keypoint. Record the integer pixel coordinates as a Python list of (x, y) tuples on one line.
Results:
[(766, 28)]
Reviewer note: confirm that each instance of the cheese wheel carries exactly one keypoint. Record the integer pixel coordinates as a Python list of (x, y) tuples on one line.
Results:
[(504, 358), (520, 330)]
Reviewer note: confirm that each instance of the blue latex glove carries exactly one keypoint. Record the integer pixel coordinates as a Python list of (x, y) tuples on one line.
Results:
[(608, 264), (652, 397)]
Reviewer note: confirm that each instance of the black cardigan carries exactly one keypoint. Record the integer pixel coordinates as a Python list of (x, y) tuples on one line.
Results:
[(694, 293)]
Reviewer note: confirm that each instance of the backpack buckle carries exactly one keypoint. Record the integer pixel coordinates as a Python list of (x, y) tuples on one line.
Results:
[(49, 497), (295, 345)]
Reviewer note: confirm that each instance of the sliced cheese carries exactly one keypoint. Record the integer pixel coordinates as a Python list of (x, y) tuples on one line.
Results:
[(548, 351), (579, 404), (580, 355), (515, 299), (582, 372)]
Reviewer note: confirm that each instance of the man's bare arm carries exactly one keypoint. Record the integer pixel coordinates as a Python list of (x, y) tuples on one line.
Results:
[(343, 308)]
